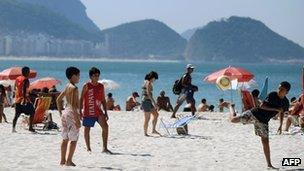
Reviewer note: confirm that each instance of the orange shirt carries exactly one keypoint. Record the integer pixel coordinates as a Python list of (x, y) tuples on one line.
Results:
[(20, 81)]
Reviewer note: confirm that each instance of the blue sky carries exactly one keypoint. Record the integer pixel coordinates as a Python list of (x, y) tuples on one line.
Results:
[(285, 17)]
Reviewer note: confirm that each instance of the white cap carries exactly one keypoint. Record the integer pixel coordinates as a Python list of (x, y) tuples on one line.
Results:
[(190, 66)]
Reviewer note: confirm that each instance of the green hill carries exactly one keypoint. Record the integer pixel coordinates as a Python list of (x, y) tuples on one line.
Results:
[(16, 17), (242, 40), (143, 39), (73, 10)]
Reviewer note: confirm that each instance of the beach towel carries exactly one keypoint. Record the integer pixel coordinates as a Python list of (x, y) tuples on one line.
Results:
[(42, 105), (247, 99)]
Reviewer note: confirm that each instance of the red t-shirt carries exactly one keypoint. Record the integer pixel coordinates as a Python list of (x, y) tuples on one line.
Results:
[(20, 81), (93, 99)]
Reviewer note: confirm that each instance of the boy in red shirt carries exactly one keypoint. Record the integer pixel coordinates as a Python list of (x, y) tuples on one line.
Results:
[(92, 97)]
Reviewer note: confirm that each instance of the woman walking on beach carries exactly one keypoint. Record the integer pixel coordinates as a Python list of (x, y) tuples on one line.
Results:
[(148, 102)]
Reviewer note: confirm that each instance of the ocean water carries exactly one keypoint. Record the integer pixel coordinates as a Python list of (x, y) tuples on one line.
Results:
[(130, 76)]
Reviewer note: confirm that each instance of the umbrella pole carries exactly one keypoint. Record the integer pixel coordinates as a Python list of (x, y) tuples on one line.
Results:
[(231, 96)]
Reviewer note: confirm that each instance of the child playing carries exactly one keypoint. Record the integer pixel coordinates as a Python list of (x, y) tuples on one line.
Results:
[(92, 97), (70, 117)]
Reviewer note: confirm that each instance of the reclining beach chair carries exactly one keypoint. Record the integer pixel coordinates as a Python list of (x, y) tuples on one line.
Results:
[(179, 124), (247, 100), (42, 104)]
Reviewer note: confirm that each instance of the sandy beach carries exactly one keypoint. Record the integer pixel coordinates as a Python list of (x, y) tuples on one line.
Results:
[(213, 144)]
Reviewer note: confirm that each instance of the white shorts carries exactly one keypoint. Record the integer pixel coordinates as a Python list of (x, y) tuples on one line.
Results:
[(69, 130)]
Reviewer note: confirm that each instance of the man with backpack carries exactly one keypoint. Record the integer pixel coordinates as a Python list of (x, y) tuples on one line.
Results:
[(184, 88)]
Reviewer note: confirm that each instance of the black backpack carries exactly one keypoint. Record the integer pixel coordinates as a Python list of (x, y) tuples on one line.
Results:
[(177, 87)]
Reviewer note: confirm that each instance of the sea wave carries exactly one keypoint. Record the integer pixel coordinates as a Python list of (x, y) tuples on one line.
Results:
[(102, 59)]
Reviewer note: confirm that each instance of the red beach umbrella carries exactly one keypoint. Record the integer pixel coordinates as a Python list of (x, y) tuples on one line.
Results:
[(48, 82), (14, 72), (232, 73)]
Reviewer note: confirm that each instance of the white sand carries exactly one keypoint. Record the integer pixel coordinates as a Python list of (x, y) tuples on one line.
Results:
[(213, 144)]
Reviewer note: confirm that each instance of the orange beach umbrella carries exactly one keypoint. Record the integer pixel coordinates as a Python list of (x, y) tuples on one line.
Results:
[(14, 72), (47, 82)]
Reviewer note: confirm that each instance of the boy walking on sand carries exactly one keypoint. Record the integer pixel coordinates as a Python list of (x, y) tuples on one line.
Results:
[(22, 100), (275, 103), (92, 97), (70, 117)]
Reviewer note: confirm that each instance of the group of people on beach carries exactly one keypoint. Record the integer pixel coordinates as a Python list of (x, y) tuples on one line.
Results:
[(91, 106)]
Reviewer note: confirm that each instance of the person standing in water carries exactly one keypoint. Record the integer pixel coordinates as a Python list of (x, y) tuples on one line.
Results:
[(148, 102)]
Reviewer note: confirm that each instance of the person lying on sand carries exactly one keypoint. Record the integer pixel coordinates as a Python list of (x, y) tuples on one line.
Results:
[(275, 103)]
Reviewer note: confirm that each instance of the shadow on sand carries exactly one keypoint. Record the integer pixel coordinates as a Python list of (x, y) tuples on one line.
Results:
[(189, 136)]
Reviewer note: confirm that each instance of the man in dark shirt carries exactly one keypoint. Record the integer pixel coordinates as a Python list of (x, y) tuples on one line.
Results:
[(275, 103), (187, 91)]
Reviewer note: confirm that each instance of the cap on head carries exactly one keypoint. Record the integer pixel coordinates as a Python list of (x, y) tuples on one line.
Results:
[(190, 66)]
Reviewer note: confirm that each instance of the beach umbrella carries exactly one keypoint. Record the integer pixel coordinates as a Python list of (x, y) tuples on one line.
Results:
[(235, 85), (264, 91), (109, 84), (47, 82), (240, 74), (14, 72), (7, 83)]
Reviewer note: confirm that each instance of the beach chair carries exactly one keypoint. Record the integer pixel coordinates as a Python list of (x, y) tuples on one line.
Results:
[(54, 96), (42, 104), (179, 124), (247, 100)]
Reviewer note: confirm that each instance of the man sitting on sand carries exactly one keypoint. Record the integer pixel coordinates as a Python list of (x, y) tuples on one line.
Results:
[(111, 103), (163, 102), (131, 102), (203, 107), (223, 104), (275, 103), (295, 115)]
